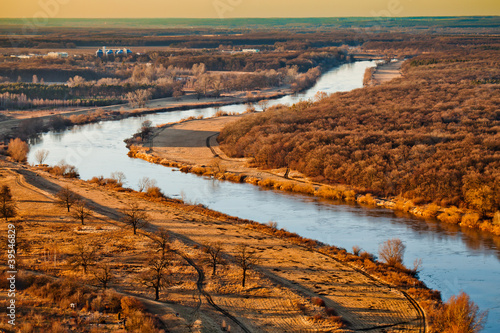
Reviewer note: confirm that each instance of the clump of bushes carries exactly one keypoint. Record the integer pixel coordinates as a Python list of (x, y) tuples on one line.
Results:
[(62, 169)]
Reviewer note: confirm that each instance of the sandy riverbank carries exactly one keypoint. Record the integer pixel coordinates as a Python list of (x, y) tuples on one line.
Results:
[(386, 72), (278, 295)]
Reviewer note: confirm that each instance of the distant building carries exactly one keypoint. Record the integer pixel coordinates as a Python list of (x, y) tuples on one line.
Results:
[(250, 50), (108, 52), (57, 54)]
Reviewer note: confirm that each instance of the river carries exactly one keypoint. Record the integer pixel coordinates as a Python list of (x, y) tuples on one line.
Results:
[(454, 259)]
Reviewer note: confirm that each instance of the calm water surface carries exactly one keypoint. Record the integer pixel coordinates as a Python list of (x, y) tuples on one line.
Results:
[(453, 259)]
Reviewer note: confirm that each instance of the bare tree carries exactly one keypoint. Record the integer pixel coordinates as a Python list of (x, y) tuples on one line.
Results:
[(76, 81), (66, 198), (7, 204), (18, 150), (246, 259), (155, 276), (135, 216), (139, 98), (214, 252), (162, 241), (41, 155), (119, 177), (103, 274), (81, 212), (146, 183), (84, 256), (263, 104), (392, 251)]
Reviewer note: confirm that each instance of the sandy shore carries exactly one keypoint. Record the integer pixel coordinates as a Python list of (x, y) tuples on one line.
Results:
[(387, 72)]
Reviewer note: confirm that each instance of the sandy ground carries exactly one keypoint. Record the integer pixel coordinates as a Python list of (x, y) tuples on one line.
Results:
[(387, 72), (194, 142), (278, 294)]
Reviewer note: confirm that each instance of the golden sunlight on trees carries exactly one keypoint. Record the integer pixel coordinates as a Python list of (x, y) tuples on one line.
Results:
[(18, 150), (135, 216), (459, 314), (41, 155), (392, 252)]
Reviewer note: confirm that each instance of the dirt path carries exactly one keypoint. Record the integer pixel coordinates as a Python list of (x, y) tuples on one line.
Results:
[(195, 143), (294, 273)]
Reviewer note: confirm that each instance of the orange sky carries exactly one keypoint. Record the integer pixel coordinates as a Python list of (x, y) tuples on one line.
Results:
[(243, 8)]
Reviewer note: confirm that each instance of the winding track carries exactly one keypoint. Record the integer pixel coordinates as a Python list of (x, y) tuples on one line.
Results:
[(22, 181)]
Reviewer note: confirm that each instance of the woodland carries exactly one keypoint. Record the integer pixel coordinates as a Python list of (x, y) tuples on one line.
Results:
[(431, 136)]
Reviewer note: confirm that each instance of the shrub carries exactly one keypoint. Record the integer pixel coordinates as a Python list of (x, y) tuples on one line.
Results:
[(431, 210), (155, 192), (18, 150), (392, 252), (130, 304), (470, 220), (459, 314), (450, 215), (317, 301)]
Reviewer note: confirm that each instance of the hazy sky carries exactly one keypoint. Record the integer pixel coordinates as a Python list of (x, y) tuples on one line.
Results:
[(243, 8)]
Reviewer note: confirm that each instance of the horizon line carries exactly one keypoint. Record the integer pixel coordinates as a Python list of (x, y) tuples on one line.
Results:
[(253, 17)]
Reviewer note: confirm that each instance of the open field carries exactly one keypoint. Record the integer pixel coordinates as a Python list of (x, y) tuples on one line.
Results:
[(277, 296)]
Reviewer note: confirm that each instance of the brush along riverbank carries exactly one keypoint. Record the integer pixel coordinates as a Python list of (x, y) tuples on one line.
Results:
[(192, 147)]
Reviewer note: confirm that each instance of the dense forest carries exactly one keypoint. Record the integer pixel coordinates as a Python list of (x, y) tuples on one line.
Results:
[(431, 136)]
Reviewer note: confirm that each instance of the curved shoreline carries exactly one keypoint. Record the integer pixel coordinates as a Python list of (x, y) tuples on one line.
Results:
[(198, 152)]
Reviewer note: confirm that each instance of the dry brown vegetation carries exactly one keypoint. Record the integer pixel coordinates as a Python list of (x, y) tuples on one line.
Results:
[(273, 296), (430, 136)]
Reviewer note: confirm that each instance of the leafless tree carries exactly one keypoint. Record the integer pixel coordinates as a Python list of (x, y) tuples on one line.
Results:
[(66, 198), (7, 204), (103, 274), (146, 183), (392, 251), (41, 155), (139, 98), (81, 212), (246, 259), (162, 241), (155, 277), (84, 256), (263, 104), (18, 150), (119, 177), (214, 252), (135, 216)]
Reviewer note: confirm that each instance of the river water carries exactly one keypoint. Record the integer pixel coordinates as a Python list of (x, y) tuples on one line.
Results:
[(454, 259)]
